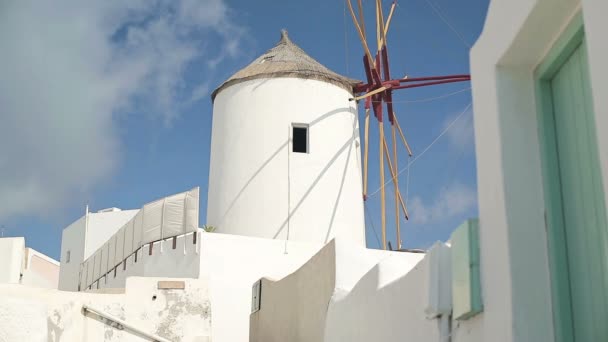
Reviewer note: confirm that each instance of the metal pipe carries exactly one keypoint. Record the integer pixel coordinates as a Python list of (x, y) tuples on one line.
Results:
[(109, 317)]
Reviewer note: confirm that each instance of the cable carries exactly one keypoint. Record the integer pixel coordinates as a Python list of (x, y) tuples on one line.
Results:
[(371, 222), (407, 181), (426, 149), (288, 187), (438, 13)]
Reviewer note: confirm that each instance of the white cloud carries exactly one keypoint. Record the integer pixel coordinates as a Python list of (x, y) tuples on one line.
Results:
[(455, 199), (69, 68), (199, 92), (461, 136)]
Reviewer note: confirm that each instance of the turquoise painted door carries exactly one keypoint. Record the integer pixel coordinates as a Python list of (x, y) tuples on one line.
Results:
[(585, 230)]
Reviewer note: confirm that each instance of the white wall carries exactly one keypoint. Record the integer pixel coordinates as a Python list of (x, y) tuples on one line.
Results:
[(31, 314), (73, 240), (346, 293), (386, 304), (157, 221), (40, 270), (514, 262), (82, 238), (102, 226), (11, 259), (294, 307), (178, 315), (233, 263), (182, 262), (248, 177), (21, 265)]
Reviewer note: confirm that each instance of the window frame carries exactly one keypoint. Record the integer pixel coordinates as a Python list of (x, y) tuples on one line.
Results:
[(300, 126)]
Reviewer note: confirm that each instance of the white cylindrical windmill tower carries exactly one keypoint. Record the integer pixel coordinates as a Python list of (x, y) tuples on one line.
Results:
[(285, 157)]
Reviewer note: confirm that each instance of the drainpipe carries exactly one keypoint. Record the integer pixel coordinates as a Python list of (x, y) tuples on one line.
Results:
[(445, 335), (439, 303)]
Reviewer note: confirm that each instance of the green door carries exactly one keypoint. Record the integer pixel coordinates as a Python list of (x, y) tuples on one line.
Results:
[(577, 211)]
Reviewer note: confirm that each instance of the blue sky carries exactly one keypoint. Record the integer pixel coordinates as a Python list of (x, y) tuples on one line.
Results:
[(108, 103)]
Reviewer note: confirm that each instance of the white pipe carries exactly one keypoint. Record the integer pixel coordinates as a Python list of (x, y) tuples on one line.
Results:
[(124, 324), (444, 328)]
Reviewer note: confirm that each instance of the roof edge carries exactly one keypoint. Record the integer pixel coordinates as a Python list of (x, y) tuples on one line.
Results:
[(288, 74)]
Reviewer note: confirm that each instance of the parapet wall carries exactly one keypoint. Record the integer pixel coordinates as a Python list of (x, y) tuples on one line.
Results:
[(178, 256), (173, 309), (155, 223)]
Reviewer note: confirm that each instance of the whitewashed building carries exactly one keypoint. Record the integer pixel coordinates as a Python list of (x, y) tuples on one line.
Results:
[(84, 237), (533, 267), (540, 103), (285, 157), (537, 268), (24, 265)]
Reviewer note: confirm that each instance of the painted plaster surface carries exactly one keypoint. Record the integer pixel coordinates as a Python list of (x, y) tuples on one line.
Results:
[(22, 320), (294, 308), (175, 314), (258, 187), (11, 259), (183, 261), (82, 241), (387, 304), (21, 265), (72, 240), (156, 223), (515, 272), (232, 264), (102, 226), (514, 264), (59, 313), (34, 314), (40, 270), (336, 295)]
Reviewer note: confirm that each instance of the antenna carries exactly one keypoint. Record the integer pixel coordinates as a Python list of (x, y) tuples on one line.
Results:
[(86, 224)]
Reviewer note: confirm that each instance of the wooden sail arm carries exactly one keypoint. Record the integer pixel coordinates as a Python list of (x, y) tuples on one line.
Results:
[(388, 20), (425, 84), (465, 77), (417, 82), (394, 174), (361, 17), (360, 32), (373, 92), (396, 183), (366, 152), (407, 146), (382, 190), (380, 25)]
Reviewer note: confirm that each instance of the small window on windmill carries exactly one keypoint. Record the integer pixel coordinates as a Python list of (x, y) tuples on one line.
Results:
[(67, 257), (256, 296), (299, 138)]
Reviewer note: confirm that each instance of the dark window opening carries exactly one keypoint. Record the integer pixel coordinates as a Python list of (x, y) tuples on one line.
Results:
[(300, 139)]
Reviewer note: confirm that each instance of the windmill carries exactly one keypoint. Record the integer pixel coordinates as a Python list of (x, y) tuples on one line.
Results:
[(377, 94)]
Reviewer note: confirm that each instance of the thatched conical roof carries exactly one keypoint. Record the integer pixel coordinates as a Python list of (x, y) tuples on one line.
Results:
[(286, 59)]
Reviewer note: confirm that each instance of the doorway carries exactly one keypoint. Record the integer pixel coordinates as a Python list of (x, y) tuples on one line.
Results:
[(576, 222)]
